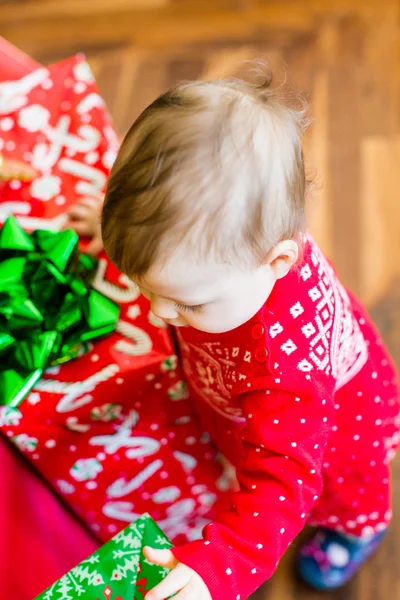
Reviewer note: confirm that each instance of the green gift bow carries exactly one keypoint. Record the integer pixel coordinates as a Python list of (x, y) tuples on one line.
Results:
[(48, 311)]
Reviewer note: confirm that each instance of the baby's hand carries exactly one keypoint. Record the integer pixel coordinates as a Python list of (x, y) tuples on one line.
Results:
[(182, 581), (84, 218), (14, 169)]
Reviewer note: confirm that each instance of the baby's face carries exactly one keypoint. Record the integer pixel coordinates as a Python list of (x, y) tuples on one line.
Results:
[(211, 298)]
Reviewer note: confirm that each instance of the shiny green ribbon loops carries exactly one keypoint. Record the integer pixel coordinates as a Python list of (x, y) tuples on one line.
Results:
[(48, 309)]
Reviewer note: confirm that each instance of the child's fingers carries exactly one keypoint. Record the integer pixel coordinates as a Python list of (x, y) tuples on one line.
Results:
[(190, 592), (78, 211), (91, 202), (95, 246), (14, 169), (81, 227), (164, 558), (173, 583)]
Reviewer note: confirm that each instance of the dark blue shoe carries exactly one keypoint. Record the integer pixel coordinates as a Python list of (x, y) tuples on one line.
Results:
[(329, 559)]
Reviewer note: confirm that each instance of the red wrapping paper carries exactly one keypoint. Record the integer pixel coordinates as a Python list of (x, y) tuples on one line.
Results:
[(112, 431), (55, 119), (39, 536)]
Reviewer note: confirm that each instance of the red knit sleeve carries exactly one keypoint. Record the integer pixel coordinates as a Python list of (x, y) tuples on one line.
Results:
[(280, 480)]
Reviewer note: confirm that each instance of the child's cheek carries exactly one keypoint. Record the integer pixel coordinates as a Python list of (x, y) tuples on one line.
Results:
[(198, 321), (193, 320)]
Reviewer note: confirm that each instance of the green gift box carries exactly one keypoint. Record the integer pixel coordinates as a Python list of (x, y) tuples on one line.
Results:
[(118, 570), (48, 309)]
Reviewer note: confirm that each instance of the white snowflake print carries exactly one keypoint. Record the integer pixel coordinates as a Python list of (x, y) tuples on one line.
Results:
[(247, 356), (308, 330), (305, 272), (305, 366), (275, 329), (85, 469), (108, 160), (33, 398), (25, 442), (91, 158), (34, 118), (47, 84), (289, 347), (65, 487), (9, 415), (314, 294), (83, 73), (45, 188), (80, 87), (336, 344), (6, 124), (296, 310), (134, 311)]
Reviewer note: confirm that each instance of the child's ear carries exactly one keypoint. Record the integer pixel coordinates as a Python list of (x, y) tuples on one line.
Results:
[(282, 257)]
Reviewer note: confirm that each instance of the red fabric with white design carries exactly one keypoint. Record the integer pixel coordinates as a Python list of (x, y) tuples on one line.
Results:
[(286, 395), (303, 400), (112, 432), (55, 119), (41, 532)]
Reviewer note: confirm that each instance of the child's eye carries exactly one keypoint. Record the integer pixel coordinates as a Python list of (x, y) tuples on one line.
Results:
[(184, 308)]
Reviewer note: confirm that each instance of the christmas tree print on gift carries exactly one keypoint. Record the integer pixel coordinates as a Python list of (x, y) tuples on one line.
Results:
[(118, 570)]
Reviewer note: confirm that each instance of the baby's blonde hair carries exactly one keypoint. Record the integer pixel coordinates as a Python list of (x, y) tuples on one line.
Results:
[(216, 166)]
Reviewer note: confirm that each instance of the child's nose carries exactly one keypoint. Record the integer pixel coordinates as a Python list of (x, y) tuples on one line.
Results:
[(164, 309)]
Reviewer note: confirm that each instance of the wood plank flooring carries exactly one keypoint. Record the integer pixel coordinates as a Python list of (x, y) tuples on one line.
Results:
[(345, 57)]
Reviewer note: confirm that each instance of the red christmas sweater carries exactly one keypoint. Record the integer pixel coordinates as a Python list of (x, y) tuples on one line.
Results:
[(266, 393)]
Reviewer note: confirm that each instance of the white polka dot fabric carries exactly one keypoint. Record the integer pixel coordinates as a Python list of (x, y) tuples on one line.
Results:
[(303, 400)]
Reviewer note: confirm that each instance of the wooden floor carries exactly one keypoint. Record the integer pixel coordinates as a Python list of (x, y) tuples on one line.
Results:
[(345, 56)]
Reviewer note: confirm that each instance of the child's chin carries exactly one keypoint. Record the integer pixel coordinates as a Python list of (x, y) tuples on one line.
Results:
[(176, 323)]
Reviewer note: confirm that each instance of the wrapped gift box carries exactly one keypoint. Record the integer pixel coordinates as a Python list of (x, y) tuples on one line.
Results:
[(55, 119), (111, 431), (118, 570), (43, 523)]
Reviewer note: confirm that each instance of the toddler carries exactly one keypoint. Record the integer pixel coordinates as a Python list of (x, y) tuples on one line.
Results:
[(205, 211)]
